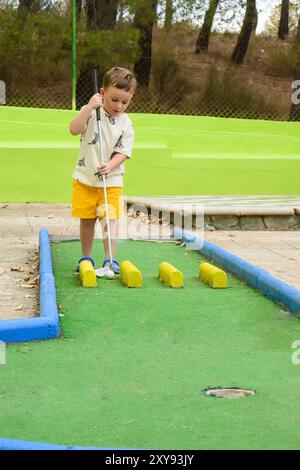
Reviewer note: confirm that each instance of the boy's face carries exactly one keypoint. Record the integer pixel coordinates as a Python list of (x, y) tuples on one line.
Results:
[(115, 100)]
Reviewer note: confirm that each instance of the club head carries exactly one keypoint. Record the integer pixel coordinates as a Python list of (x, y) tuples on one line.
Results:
[(105, 272)]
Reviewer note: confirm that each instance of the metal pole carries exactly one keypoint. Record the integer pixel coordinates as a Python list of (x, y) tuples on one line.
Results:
[(73, 55)]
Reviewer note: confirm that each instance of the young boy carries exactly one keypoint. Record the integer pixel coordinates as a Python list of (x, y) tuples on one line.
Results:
[(118, 88)]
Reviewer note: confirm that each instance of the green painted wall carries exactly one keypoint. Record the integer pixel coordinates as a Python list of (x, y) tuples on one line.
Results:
[(173, 155)]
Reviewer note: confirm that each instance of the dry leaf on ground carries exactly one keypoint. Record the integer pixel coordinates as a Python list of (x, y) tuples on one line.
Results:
[(17, 268)]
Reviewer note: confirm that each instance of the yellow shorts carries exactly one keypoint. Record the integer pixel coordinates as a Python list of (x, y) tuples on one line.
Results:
[(88, 202)]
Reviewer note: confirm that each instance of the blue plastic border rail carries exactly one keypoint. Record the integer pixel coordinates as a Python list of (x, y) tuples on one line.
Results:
[(46, 326), (261, 280), (13, 444)]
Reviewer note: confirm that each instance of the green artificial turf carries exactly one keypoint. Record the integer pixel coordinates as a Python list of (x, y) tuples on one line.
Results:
[(173, 155), (132, 363)]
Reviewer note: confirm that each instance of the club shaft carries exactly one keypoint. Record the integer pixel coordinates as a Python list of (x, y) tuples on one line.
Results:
[(105, 192)]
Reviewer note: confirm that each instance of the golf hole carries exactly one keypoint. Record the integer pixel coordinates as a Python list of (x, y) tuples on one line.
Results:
[(229, 392)]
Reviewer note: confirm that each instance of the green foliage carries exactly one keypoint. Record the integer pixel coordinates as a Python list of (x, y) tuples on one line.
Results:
[(169, 80), (142, 10), (230, 93), (227, 34), (273, 21), (35, 59), (36, 49), (182, 36), (282, 61), (107, 48), (35, 46), (183, 28)]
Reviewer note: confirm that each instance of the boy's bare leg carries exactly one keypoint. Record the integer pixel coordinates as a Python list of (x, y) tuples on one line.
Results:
[(87, 235), (113, 237)]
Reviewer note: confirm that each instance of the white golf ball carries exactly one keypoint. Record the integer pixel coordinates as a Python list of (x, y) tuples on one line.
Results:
[(109, 274)]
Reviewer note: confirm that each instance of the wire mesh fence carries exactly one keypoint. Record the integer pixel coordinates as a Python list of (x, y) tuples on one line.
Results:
[(224, 99), (37, 72), (222, 94)]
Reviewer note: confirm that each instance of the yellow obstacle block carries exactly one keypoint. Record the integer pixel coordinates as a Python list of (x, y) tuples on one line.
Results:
[(212, 275), (170, 276), (130, 274), (87, 274)]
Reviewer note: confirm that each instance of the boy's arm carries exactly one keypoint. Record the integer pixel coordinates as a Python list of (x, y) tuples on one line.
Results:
[(122, 150), (78, 124), (116, 161)]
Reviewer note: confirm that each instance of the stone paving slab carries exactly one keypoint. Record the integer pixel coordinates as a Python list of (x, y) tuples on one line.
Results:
[(223, 201), (277, 252), (228, 212), (228, 205)]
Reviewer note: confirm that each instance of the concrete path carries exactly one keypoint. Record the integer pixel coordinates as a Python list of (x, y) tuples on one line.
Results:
[(277, 252), (19, 230)]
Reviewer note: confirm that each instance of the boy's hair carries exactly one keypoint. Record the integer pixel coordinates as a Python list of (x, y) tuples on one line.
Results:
[(120, 78)]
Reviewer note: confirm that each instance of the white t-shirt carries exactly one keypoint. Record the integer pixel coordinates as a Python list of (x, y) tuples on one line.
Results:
[(117, 137)]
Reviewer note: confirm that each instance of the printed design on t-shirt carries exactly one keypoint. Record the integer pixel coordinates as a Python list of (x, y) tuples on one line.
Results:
[(81, 162), (95, 139), (111, 120), (98, 174), (120, 143)]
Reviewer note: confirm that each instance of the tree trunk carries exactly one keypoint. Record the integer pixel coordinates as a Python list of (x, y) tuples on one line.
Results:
[(26, 4), (203, 38), (121, 11), (29, 5), (144, 19), (283, 29), (242, 44), (78, 9), (255, 21), (101, 14), (168, 15)]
